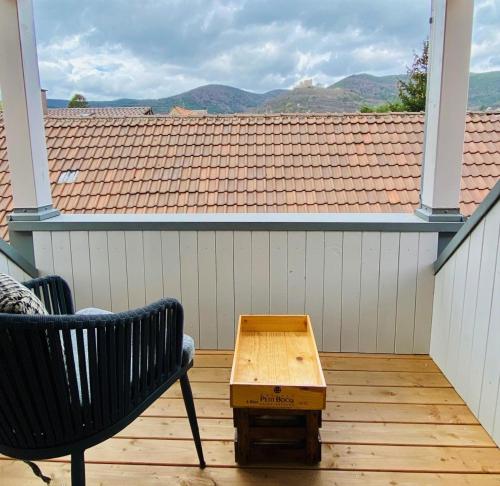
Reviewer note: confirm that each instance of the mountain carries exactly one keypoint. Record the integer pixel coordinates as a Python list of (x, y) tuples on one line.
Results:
[(484, 90), (215, 98), (352, 92), (346, 95), (374, 89), (314, 99)]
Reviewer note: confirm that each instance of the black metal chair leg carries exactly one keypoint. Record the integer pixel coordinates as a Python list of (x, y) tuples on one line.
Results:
[(187, 394), (78, 469)]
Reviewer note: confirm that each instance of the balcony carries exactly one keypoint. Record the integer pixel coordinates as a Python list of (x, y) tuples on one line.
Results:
[(389, 418)]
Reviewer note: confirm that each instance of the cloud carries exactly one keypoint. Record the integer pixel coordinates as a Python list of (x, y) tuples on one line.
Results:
[(156, 48)]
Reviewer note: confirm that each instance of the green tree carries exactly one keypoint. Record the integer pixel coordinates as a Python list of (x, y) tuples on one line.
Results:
[(412, 92), (78, 101), (384, 108)]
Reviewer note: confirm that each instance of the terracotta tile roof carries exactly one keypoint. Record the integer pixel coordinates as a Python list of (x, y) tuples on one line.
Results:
[(181, 111), (99, 112), (250, 163)]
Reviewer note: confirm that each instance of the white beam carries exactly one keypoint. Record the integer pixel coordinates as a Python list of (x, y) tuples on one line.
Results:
[(447, 95), (24, 124)]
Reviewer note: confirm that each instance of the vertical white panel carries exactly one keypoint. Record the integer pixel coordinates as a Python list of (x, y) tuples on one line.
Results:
[(442, 314), (207, 288), (469, 310), (483, 307), (427, 254), (315, 263), (387, 294), (260, 272), (225, 289), (351, 281), (4, 265), (42, 247), (15, 272), (496, 426), (189, 283), (457, 304), (491, 378), (370, 263), (332, 290), (278, 272), (118, 271), (61, 250), (153, 268), (99, 270), (80, 261), (296, 272), (407, 283), (134, 249), (242, 273), (171, 262)]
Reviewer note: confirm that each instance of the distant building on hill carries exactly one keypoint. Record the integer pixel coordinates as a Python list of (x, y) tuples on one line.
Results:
[(305, 83), (181, 111)]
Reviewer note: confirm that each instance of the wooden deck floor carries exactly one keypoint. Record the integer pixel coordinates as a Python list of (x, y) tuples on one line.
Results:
[(390, 420)]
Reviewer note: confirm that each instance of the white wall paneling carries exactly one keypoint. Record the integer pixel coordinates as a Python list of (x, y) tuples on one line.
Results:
[(365, 291), (224, 247), (465, 339), (387, 292), (10, 268)]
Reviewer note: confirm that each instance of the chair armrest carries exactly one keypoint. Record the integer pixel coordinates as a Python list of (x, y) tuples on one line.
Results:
[(54, 292)]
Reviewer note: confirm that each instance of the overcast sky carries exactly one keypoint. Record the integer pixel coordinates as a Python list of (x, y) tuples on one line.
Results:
[(108, 49)]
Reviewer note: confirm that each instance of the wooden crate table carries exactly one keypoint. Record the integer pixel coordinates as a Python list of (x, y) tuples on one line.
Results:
[(277, 390)]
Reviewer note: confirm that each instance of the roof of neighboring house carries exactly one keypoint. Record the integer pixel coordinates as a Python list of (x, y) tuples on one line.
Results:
[(181, 111), (250, 163), (106, 112)]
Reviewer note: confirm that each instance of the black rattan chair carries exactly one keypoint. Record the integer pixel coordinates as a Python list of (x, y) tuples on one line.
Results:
[(70, 381)]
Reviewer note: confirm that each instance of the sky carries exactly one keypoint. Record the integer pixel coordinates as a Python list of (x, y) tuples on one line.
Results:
[(107, 49)]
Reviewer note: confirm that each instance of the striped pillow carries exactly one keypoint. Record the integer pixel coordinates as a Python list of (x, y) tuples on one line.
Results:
[(15, 298)]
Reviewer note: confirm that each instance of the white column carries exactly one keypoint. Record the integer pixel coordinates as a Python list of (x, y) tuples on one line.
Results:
[(447, 93), (24, 124)]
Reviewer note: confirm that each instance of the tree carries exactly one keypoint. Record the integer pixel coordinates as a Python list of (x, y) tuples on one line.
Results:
[(384, 108), (78, 101), (412, 92)]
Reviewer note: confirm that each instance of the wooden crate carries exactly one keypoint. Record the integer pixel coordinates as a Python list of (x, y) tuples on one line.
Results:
[(277, 435), (276, 364), (277, 390)]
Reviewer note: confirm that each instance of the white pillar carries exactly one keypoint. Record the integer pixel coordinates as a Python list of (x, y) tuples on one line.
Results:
[(24, 124), (447, 93)]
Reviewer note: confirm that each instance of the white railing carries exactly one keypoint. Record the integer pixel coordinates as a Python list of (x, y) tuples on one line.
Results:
[(466, 321), (366, 290)]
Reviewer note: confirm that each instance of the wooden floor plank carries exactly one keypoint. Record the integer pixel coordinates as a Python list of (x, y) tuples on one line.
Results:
[(411, 458), (331, 432), (350, 412), (351, 363), (359, 378), (392, 420), (343, 393), (19, 474), (335, 456)]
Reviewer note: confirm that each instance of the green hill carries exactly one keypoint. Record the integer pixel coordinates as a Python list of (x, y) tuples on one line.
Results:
[(215, 98), (484, 90), (346, 95)]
